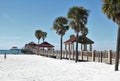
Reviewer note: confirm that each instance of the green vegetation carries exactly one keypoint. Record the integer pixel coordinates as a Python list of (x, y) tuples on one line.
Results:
[(112, 9), (72, 35), (78, 20), (61, 26), (44, 35), (40, 34)]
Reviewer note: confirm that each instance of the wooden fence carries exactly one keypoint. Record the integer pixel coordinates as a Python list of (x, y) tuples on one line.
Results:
[(95, 56)]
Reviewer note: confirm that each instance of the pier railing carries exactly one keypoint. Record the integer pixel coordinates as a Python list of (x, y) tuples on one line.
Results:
[(96, 56)]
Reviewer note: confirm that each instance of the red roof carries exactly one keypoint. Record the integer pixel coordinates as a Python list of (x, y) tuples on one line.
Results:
[(45, 44), (31, 44), (81, 39), (71, 40)]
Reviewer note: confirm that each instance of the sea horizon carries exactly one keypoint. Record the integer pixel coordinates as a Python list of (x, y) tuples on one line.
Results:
[(9, 51)]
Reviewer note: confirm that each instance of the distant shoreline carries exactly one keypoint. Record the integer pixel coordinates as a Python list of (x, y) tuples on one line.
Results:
[(15, 51)]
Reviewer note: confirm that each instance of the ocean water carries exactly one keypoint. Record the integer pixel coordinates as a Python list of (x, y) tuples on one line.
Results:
[(14, 51)]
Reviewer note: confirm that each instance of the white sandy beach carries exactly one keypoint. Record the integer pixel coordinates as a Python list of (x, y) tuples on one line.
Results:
[(38, 68)]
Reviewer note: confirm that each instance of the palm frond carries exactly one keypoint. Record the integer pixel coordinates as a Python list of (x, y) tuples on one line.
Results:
[(78, 17), (38, 34), (60, 25)]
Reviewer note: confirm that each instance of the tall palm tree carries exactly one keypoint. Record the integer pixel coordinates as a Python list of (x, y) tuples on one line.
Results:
[(112, 9), (38, 35), (44, 35), (84, 31), (61, 26), (78, 19)]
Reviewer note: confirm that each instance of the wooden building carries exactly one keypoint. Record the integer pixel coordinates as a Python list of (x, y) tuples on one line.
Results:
[(83, 40), (30, 45), (46, 45)]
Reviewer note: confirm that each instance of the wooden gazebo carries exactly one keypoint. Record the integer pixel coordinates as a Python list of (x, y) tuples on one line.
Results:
[(82, 39), (46, 45), (30, 45)]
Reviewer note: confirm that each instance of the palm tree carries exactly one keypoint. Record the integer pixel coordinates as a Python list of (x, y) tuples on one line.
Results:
[(61, 26), (44, 35), (112, 9), (72, 35), (38, 35), (84, 32), (78, 19)]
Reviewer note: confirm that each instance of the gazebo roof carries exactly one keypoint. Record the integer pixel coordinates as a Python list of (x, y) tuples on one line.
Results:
[(31, 43), (85, 40), (82, 40), (45, 44), (71, 40)]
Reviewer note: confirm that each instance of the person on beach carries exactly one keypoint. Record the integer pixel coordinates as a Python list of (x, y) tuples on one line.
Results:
[(5, 56)]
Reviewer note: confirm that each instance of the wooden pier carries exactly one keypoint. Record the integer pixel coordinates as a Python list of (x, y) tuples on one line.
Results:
[(91, 56)]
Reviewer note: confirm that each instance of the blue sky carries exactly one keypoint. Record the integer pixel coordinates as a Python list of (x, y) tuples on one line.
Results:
[(20, 18)]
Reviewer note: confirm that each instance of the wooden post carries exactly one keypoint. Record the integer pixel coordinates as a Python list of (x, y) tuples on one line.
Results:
[(73, 46), (110, 56), (101, 56), (90, 47), (85, 47), (69, 55), (69, 47), (53, 52), (73, 54), (87, 55), (66, 54), (81, 46), (73, 50), (81, 55), (93, 55), (69, 51), (65, 47), (63, 52)]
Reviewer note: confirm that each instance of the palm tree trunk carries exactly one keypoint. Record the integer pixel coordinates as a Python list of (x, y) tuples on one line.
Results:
[(61, 47), (117, 50), (76, 48), (38, 47), (43, 47)]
